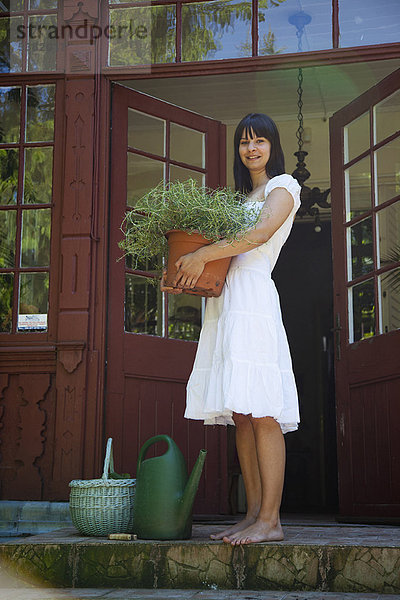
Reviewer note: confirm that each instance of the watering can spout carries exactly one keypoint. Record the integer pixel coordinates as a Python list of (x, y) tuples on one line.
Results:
[(191, 486)]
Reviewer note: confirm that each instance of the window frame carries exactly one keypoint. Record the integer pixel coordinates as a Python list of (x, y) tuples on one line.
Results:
[(55, 206), (25, 13), (373, 212)]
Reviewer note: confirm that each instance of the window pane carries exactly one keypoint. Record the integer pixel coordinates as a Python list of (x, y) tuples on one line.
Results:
[(33, 301), (143, 174), (388, 233), (38, 176), (148, 265), (361, 248), (40, 113), (356, 137), (387, 171), (278, 31), (8, 176), (11, 5), (358, 188), (10, 111), (362, 311), (11, 44), (365, 22), (146, 133), (390, 300), (35, 249), (387, 117), (184, 317), (6, 301), (142, 35), (187, 145), (8, 228), (42, 43), (215, 30), (181, 174), (143, 306), (42, 4)]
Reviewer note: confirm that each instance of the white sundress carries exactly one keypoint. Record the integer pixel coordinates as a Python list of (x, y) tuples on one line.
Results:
[(243, 361)]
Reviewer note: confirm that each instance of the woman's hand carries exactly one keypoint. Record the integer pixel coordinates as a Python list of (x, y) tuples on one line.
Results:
[(165, 288), (190, 267)]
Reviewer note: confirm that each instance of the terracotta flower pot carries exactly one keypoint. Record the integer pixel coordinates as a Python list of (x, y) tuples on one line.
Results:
[(212, 279)]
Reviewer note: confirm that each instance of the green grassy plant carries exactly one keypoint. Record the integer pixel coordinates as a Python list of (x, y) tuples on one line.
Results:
[(186, 206)]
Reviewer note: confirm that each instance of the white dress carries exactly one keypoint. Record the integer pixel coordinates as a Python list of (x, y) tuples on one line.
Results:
[(243, 361)]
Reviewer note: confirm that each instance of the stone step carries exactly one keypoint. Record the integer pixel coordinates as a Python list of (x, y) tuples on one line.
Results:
[(19, 518), (139, 594), (325, 558)]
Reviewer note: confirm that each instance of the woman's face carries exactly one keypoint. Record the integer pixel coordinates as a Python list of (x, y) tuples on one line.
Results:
[(254, 151)]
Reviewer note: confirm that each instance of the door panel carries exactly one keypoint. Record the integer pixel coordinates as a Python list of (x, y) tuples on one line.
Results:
[(365, 139), (150, 335)]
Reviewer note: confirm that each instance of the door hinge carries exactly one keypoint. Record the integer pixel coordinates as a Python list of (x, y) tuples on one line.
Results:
[(336, 330)]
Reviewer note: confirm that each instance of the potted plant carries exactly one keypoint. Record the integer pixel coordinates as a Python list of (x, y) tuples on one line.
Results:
[(177, 218)]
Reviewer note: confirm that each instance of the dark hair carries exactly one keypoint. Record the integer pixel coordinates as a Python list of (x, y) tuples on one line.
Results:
[(262, 126)]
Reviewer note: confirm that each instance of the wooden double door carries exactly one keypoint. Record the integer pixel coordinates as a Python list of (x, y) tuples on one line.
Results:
[(152, 340), (152, 336), (365, 174)]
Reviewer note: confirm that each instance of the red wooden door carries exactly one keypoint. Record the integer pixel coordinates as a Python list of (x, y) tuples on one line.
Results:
[(151, 337), (365, 167)]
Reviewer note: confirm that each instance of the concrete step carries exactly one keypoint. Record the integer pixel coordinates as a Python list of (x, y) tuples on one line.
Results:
[(19, 518), (312, 558), (138, 594)]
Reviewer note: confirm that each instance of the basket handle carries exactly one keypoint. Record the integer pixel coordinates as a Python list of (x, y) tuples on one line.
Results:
[(109, 460)]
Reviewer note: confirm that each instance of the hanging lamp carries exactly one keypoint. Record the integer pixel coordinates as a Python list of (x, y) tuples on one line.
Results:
[(312, 199)]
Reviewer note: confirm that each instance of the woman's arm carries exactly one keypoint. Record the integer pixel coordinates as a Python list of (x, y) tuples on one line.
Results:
[(274, 213)]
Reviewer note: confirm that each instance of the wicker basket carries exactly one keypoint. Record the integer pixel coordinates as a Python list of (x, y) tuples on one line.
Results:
[(102, 506)]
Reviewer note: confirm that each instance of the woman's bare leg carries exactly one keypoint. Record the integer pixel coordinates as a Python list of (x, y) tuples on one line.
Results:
[(270, 447), (246, 449)]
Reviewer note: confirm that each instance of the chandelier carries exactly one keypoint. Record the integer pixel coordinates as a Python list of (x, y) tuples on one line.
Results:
[(312, 199)]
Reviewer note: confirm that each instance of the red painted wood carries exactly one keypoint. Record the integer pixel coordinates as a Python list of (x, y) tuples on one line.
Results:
[(367, 372), (335, 24), (77, 423), (147, 375), (22, 435), (336, 56)]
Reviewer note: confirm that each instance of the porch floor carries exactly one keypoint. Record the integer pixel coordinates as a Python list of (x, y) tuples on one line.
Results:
[(316, 555)]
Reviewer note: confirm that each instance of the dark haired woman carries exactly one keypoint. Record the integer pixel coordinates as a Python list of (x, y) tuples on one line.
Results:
[(242, 373)]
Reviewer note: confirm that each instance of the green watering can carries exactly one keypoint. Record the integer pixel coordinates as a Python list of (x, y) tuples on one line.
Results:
[(164, 494)]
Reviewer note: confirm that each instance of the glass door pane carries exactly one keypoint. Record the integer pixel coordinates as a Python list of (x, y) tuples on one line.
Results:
[(389, 295), (358, 188), (387, 117), (184, 317), (143, 306), (387, 171), (356, 137), (187, 145), (361, 311), (360, 247), (143, 174), (181, 174), (146, 133), (388, 234)]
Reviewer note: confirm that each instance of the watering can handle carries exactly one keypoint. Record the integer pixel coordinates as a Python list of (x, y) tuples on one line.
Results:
[(150, 442)]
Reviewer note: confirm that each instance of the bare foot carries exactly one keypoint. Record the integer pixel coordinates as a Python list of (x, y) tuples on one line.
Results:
[(260, 531), (247, 521)]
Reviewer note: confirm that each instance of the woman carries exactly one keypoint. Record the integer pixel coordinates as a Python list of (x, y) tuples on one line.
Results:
[(242, 373)]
